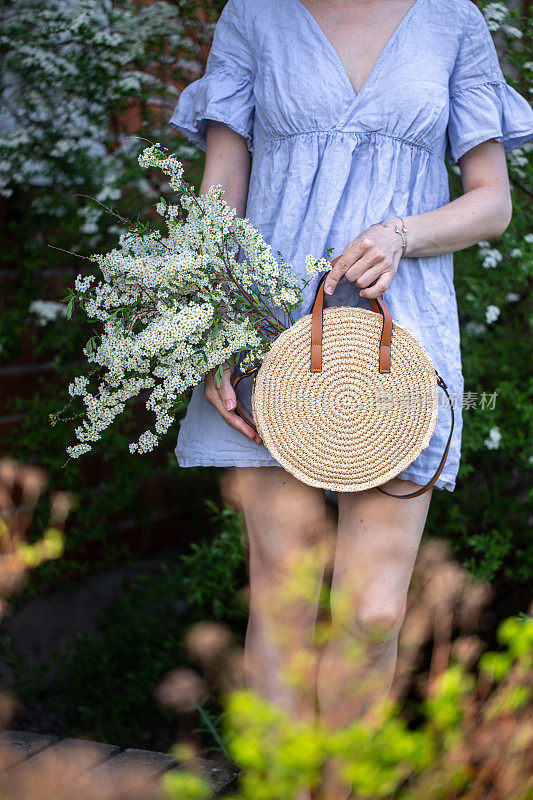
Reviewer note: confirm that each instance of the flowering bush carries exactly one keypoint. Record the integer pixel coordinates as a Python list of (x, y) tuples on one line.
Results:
[(175, 307), (67, 68)]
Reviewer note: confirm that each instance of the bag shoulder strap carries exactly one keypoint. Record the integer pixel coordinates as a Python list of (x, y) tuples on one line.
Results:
[(438, 471)]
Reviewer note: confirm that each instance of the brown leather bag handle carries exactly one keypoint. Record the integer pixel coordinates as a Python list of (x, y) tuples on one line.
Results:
[(317, 322)]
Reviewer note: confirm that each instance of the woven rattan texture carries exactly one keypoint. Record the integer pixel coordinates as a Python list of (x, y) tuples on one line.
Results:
[(348, 427)]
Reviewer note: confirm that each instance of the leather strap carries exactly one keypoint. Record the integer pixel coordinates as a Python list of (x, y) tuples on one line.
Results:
[(317, 321), (438, 471), (235, 378)]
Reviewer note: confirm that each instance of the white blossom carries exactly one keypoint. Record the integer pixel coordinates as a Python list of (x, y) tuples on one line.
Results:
[(47, 310), (495, 14), (475, 328), (491, 255), (315, 265), (172, 307), (494, 438), (492, 313), (512, 30)]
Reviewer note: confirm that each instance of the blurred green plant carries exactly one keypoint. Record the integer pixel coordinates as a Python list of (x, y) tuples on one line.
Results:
[(21, 486), (472, 738), (101, 684)]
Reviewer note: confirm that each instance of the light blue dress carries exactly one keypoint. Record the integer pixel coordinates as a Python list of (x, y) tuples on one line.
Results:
[(328, 162)]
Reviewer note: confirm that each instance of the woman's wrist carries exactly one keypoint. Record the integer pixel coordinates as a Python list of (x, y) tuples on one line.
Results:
[(396, 225), (410, 233)]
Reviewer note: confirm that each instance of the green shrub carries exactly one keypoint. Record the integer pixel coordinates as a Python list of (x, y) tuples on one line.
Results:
[(102, 685)]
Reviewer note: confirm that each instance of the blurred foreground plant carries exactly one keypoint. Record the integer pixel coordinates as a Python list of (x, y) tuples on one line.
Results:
[(462, 730), (474, 740), (21, 486)]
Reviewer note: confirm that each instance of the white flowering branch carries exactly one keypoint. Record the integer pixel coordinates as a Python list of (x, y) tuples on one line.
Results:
[(172, 307)]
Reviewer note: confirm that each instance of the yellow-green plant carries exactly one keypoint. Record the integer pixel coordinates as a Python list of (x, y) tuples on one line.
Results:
[(472, 738), (20, 488)]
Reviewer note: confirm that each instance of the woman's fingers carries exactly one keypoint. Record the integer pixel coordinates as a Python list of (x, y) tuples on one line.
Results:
[(382, 283), (231, 418), (226, 391), (224, 400), (339, 266), (243, 411), (372, 259), (358, 257)]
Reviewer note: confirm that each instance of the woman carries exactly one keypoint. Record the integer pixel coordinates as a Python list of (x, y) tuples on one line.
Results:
[(350, 109)]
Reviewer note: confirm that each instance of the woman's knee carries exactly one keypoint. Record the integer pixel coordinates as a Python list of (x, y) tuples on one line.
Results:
[(387, 617), (376, 623)]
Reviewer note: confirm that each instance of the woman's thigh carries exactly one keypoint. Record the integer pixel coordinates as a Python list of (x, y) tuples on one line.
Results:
[(283, 516), (377, 542)]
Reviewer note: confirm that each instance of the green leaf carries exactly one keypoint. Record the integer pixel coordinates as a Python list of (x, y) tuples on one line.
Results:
[(218, 376)]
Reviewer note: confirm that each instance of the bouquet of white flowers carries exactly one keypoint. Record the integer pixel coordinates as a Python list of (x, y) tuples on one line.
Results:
[(173, 307)]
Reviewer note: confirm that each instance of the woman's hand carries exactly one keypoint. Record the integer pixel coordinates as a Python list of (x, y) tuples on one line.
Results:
[(374, 255), (224, 399)]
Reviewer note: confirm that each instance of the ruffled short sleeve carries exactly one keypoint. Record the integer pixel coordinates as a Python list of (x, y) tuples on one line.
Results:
[(483, 105), (225, 92)]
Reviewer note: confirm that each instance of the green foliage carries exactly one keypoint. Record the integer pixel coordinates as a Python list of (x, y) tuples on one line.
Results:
[(213, 570), (444, 756), (185, 786), (488, 517), (102, 685)]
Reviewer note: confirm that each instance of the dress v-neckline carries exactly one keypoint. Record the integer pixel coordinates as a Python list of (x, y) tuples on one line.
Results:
[(380, 57)]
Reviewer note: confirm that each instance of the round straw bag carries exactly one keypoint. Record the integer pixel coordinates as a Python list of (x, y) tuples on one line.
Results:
[(346, 399)]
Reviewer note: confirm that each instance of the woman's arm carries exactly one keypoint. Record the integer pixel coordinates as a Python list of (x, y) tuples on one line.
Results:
[(228, 163), (482, 212)]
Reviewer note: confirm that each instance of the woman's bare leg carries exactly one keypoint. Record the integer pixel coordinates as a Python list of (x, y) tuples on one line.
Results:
[(377, 543), (285, 521)]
